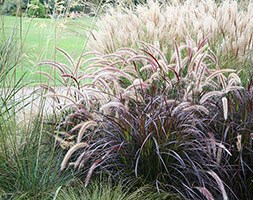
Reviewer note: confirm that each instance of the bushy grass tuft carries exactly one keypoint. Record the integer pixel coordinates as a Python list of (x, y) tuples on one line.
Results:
[(99, 190), (135, 113), (28, 168), (28, 163)]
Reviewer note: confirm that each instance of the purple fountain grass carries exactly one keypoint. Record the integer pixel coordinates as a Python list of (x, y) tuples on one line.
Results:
[(135, 113)]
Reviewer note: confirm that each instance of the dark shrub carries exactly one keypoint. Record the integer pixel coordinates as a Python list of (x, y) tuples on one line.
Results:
[(36, 9)]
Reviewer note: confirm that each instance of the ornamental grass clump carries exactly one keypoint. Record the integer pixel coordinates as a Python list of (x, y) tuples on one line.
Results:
[(234, 132), (229, 24), (134, 113), (155, 141)]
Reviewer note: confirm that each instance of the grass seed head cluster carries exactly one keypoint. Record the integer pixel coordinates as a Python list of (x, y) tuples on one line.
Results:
[(229, 25)]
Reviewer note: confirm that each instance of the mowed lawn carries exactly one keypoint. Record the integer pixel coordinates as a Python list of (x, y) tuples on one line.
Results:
[(38, 39)]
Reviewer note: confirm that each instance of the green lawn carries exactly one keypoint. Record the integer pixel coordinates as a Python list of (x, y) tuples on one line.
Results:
[(39, 37)]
